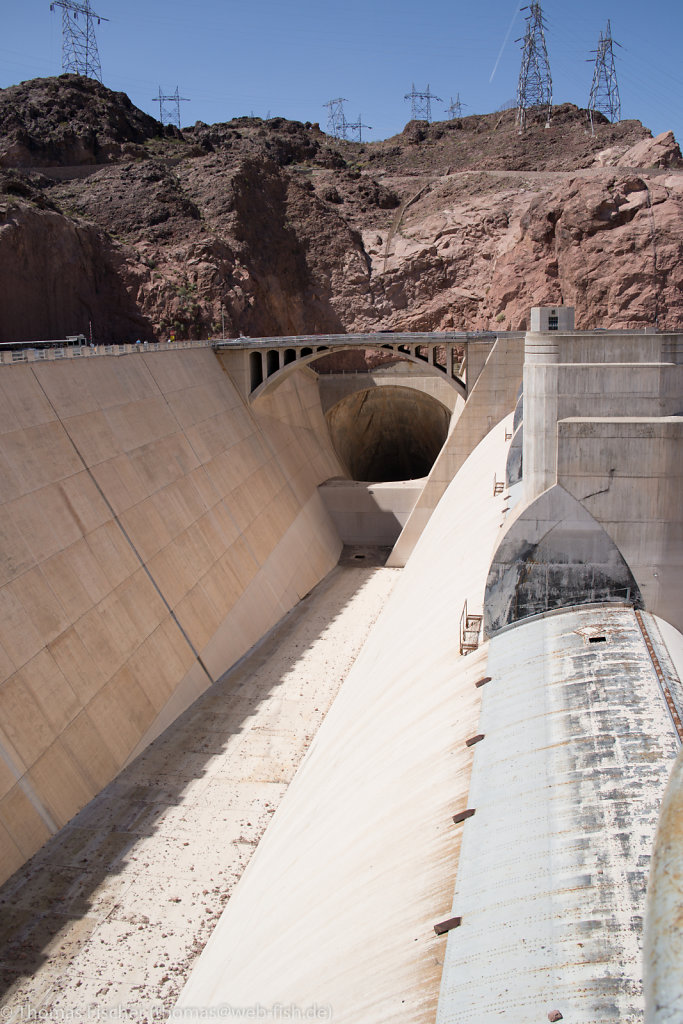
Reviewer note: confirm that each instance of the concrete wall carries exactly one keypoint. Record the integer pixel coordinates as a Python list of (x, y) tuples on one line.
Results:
[(596, 375), (492, 397), (602, 418), (370, 513), (153, 528)]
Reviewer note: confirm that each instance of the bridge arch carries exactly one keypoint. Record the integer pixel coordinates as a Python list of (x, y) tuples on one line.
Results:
[(270, 367)]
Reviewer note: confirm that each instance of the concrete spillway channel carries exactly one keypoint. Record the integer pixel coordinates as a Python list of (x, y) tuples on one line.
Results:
[(112, 912)]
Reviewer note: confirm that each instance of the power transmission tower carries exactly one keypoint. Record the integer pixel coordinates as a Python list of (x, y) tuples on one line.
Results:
[(604, 89), (337, 124), (421, 104), (79, 46), (455, 109), (169, 107), (357, 126), (535, 87)]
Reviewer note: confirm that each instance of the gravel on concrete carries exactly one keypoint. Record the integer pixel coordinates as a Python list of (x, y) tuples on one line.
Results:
[(107, 919)]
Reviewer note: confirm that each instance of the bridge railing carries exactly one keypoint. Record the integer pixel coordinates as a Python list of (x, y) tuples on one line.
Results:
[(20, 353), (30, 352)]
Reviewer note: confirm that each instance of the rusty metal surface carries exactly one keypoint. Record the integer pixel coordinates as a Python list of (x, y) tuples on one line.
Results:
[(567, 785), (661, 676), (663, 952)]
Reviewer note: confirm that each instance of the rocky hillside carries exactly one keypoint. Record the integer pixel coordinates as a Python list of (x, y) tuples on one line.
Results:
[(275, 228)]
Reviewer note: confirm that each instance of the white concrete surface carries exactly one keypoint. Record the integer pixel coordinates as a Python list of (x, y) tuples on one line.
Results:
[(337, 907)]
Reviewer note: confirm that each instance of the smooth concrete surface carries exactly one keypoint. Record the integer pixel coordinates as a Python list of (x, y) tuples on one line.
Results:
[(337, 907), (153, 528), (566, 787), (588, 374), (492, 397), (106, 920), (366, 513)]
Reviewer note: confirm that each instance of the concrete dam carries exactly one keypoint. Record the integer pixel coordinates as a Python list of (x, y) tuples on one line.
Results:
[(469, 827)]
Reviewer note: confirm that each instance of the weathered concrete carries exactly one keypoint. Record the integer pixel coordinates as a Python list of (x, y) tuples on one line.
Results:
[(153, 528), (554, 554), (566, 785)]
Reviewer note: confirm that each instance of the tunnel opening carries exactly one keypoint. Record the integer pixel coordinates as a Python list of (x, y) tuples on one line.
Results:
[(388, 433)]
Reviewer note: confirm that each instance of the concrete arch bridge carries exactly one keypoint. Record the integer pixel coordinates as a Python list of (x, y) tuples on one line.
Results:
[(261, 364)]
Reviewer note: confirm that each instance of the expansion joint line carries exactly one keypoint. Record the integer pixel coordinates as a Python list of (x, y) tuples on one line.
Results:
[(126, 535), (673, 710)]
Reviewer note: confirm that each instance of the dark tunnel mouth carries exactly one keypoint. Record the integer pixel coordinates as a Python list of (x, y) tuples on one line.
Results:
[(389, 433)]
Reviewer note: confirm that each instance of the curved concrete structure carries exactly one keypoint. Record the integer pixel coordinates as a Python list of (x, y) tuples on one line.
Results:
[(388, 433)]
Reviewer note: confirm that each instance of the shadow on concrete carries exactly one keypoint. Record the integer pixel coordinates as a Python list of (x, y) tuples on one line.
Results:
[(47, 908)]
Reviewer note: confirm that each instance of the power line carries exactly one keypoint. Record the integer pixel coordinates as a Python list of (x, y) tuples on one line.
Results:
[(535, 86), (169, 107), (604, 94), (79, 46), (421, 103)]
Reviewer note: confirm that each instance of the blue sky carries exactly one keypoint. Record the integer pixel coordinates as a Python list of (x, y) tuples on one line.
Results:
[(267, 58)]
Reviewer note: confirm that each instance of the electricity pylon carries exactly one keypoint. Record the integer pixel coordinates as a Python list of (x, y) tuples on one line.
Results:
[(169, 107), (421, 104), (604, 89), (535, 87), (337, 125), (455, 109), (357, 127), (79, 46)]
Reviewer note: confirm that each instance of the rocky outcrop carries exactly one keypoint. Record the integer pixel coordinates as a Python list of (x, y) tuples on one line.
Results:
[(60, 278), (662, 151), (68, 121), (270, 227)]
